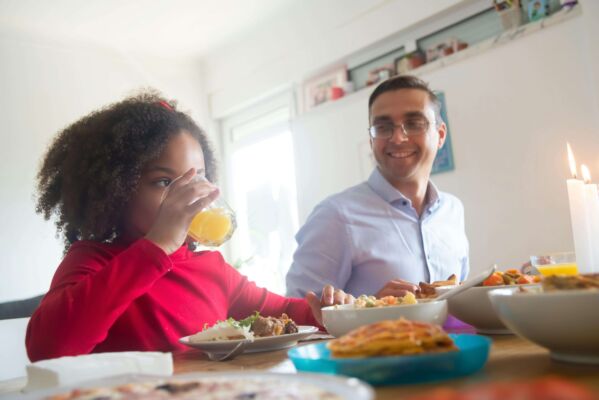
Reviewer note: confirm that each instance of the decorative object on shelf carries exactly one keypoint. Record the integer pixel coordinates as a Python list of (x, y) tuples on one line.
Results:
[(319, 90), (348, 87), (444, 159), (336, 92), (537, 9), (510, 13), (408, 62), (446, 48), (380, 74), (568, 3)]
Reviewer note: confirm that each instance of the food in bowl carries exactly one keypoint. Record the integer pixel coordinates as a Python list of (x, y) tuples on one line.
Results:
[(247, 328), (393, 337), (429, 290), (365, 301), (341, 319), (510, 277), (571, 282), (563, 321)]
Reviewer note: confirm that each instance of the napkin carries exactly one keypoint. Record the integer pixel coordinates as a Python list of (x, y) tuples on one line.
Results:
[(70, 370)]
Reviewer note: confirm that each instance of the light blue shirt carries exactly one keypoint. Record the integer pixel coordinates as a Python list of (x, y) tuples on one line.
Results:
[(369, 234)]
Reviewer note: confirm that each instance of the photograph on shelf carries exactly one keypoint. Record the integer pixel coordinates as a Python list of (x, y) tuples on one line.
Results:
[(537, 9), (325, 87), (444, 159)]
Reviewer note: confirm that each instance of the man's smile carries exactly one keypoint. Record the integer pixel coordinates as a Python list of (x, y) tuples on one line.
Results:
[(401, 153)]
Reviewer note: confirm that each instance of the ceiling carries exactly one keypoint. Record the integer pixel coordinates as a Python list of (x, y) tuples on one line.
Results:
[(157, 27)]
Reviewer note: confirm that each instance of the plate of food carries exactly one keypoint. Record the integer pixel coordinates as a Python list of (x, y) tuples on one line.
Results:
[(260, 334), (228, 385), (396, 352)]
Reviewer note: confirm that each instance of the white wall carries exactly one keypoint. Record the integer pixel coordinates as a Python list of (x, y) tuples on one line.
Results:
[(44, 86), (511, 110)]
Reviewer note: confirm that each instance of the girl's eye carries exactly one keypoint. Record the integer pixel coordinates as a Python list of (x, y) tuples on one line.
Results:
[(164, 182)]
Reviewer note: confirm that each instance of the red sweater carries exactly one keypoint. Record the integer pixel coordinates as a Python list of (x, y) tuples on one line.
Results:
[(111, 297)]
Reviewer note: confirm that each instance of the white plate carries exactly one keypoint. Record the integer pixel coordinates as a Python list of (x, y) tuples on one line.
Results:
[(346, 388), (259, 344)]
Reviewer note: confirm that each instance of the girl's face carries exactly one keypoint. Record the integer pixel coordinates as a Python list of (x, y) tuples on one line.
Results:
[(182, 152)]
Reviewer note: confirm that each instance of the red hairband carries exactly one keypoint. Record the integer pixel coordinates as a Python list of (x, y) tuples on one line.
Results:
[(165, 105)]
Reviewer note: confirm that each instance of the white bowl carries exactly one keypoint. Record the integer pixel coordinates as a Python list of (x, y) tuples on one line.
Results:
[(566, 322), (343, 318), (474, 308)]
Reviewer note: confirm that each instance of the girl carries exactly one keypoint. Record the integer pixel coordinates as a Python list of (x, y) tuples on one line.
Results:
[(128, 280)]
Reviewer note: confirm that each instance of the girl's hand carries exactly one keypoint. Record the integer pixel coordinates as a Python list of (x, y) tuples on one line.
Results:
[(396, 288), (330, 296), (183, 199)]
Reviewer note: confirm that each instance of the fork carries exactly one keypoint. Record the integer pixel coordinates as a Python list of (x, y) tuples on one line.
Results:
[(238, 349)]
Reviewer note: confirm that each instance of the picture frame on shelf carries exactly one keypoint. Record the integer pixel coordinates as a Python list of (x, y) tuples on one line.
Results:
[(444, 160), (318, 90), (537, 9)]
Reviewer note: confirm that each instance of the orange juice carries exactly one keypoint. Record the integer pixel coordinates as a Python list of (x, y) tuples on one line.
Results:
[(558, 269), (212, 227)]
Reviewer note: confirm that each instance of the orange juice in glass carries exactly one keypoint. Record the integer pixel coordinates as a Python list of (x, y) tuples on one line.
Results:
[(214, 225), (555, 264)]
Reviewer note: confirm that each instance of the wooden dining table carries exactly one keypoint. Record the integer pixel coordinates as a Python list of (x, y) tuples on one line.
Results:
[(511, 359)]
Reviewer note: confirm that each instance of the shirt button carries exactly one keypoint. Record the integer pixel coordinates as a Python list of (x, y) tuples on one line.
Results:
[(404, 203)]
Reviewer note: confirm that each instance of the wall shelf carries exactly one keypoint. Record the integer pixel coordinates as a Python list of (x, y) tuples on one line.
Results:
[(471, 51)]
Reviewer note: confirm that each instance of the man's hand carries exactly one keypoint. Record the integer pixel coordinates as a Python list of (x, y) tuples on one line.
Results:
[(397, 288), (330, 296)]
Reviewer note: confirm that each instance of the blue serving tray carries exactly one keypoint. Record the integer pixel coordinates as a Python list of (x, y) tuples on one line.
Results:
[(396, 370)]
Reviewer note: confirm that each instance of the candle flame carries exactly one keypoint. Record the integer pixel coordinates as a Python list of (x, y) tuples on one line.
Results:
[(571, 161), (586, 175)]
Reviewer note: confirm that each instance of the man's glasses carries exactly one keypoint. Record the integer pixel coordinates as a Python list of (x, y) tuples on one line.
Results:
[(410, 127)]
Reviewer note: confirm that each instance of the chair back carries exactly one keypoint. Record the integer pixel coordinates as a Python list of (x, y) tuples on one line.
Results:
[(13, 355)]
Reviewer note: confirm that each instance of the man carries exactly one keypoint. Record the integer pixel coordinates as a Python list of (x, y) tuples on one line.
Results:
[(396, 228)]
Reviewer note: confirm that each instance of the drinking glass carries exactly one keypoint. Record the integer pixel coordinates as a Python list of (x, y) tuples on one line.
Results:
[(215, 224), (555, 264)]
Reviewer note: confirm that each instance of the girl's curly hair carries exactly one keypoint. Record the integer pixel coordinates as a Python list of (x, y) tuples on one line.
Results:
[(93, 166)]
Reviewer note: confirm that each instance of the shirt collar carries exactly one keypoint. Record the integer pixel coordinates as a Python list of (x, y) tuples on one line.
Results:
[(387, 192)]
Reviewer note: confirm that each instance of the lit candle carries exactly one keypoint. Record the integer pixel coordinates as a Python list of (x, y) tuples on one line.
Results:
[(592, 205), (578, 218)]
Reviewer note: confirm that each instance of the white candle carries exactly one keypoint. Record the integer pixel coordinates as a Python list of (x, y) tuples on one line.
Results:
[(578, 218), (592, 206)]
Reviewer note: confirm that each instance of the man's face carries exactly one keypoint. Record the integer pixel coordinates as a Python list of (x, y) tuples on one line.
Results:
[(403, 159)]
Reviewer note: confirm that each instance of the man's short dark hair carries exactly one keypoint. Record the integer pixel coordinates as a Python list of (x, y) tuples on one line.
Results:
[(407, 82)]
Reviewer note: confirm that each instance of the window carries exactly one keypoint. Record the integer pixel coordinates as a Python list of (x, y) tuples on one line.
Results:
[(260, 184)]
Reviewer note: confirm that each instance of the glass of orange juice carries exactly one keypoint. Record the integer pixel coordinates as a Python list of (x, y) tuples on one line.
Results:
[(555, 264), (214, 225)]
